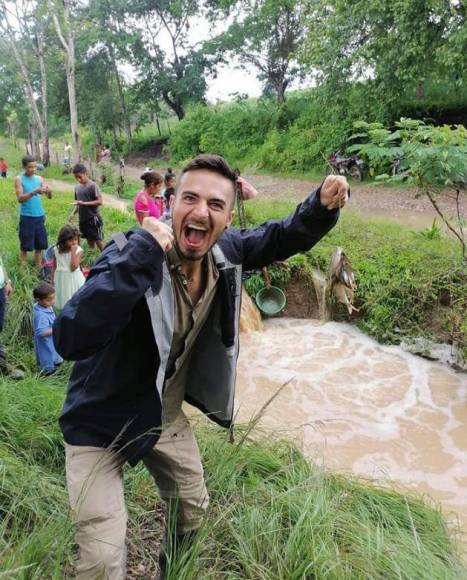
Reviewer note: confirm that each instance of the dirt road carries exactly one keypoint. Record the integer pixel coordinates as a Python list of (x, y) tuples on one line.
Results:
[(396, 204)]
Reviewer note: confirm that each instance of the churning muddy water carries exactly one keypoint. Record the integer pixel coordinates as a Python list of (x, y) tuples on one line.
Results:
[(357, 406)]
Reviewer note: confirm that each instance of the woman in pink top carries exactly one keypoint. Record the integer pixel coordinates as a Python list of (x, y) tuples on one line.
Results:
[(149, 202)]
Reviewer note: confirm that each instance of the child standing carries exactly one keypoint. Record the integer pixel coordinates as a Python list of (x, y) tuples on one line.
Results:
[(170, 182), (88, 199), (68, 277), (43, 318), (148, 202), (3, 167), (32, 233)]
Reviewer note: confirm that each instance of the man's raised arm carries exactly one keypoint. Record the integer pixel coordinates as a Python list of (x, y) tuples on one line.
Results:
[(298, 232)]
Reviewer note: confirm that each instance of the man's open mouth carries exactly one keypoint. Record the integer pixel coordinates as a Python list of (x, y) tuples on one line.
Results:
[(195, 235)]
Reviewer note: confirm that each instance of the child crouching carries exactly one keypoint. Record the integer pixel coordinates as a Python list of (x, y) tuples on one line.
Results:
[(43, 319)]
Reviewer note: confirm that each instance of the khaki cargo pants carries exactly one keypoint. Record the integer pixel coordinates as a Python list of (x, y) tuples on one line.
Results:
[(95, 488)]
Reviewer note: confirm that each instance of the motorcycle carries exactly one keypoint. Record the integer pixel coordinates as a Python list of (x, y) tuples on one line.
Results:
[(351, 166)]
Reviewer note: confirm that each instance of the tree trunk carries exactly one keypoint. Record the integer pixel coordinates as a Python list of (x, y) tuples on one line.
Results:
[(27, 84), (34, 149), (420, 90), (36, 142), (69, 50), (45, 121), (158, 126), (121, 97), (175, 104), (70, 79), (281, 85), (29, 140)]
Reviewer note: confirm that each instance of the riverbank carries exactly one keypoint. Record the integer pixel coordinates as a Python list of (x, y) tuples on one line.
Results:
[(273, 515)]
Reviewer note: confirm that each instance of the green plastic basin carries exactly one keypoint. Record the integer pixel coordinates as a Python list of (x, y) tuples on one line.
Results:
[(271, 300)]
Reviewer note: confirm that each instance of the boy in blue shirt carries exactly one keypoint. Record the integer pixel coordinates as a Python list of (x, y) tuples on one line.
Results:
[(32, 233), (43, 318)]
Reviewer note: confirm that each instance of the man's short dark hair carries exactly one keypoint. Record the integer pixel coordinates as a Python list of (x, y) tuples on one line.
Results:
[(27, 159), (79, 168), (42, 290), (214, 163)]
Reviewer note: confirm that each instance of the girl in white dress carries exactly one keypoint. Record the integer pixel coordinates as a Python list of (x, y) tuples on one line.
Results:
[(68, 277)]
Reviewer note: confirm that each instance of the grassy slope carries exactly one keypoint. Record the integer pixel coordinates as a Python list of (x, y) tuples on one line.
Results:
[(273, 515)]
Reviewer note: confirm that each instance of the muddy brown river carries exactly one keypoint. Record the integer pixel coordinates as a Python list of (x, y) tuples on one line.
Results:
[(356, 406)]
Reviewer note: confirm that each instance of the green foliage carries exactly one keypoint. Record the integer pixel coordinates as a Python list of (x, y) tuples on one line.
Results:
[(432, 158), (107, 172), (290, 138), (232, 130), (266, 35), (431, 233), (380, 42)]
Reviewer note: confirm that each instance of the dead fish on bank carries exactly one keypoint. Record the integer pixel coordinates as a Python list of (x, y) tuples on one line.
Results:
[(342, 279)]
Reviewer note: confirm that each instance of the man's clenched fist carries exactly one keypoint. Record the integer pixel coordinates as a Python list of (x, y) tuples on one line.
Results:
[(334, 191), (161, 232)]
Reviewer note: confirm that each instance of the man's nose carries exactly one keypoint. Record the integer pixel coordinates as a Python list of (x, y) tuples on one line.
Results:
[(201, 211)]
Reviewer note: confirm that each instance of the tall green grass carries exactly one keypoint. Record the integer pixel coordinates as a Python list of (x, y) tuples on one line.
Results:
[(273, 514)]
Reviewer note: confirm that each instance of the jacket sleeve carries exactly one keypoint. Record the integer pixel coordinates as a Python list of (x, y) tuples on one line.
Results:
[(278, 240), (103, 306)]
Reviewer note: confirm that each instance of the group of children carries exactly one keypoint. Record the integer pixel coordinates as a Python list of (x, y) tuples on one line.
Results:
[(67, 276), (61, 269)]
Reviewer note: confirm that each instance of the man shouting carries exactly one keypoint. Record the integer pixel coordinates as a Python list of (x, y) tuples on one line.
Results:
[(156, 324)]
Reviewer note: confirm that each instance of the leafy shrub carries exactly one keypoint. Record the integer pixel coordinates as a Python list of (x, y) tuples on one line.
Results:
[(291, 138)]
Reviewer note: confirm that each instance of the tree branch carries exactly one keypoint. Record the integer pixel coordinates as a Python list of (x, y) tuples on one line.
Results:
[(58, 28), (460, 236)]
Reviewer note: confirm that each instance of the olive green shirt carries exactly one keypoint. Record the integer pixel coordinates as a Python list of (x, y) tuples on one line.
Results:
[(189, 320)]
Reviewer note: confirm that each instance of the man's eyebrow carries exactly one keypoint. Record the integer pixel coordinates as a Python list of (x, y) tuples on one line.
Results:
[(216, 199)]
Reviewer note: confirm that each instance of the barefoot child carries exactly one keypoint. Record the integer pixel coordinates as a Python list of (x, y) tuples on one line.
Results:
[(68, 277), (43, 318)]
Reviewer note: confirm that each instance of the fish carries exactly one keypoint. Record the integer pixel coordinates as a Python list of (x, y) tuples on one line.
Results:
[(342, 279)]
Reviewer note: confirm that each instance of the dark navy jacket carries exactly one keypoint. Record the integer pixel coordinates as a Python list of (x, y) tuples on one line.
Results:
[(119, 325)]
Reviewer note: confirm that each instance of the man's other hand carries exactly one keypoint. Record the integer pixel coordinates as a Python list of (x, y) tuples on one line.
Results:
[(161, 232), (334, 191)]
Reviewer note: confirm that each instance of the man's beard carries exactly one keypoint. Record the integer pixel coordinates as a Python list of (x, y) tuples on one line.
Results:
[(190, 257)]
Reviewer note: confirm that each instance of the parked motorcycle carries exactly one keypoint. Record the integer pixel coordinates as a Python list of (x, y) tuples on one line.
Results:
[(351, 166)]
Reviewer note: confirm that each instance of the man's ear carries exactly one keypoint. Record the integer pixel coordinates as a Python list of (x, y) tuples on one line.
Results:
[(230, 219), (171, 201)]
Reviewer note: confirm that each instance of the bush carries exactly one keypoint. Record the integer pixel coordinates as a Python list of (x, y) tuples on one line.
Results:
[(292, 137)]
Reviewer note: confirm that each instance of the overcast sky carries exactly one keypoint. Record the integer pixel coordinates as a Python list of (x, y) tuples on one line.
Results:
[(229, 80)]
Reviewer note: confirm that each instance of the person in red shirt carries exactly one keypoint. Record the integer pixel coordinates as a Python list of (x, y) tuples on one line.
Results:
[(3, 167)]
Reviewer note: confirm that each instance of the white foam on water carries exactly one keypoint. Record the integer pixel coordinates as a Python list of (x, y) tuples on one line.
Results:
[(360, 406)]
